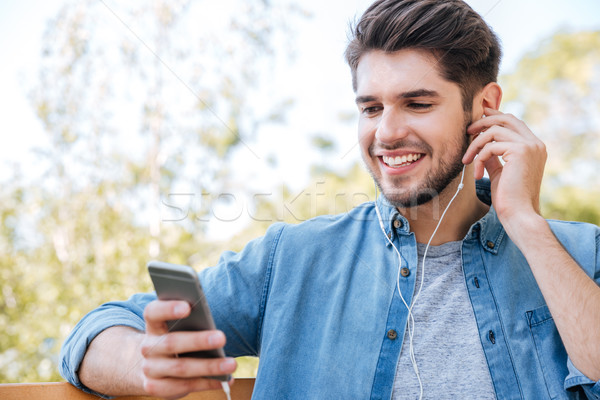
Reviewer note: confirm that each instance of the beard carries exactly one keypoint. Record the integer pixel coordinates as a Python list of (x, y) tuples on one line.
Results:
[(437, 180)]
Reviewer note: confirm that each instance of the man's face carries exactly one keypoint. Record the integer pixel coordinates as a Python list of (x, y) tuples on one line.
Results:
[(412, 127)]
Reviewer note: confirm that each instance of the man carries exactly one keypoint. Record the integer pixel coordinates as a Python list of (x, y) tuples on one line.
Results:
[(390, 300)]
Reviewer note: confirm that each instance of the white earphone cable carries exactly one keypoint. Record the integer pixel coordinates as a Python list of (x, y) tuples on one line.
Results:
[(411, 319)]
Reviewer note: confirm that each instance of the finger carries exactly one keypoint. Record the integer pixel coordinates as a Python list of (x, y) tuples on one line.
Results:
[(188, 367), (158, 312), (493, 166), (182, 342), (173, 388), (487, 111), (481, 166), (488, 159), (494, 117), (494, 134)]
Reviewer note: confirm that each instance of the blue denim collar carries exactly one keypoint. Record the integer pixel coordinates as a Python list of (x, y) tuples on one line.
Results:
[(489, 229), (389, 214)]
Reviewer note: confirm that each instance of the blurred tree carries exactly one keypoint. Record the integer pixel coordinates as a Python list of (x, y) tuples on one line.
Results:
[(136, 99), (139, 100), (556, 90)]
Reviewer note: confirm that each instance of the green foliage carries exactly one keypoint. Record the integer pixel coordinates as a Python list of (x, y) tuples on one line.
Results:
[(128, 108), (554, 89), (82, 232), (573, 204), (323, 143), (570, 57)]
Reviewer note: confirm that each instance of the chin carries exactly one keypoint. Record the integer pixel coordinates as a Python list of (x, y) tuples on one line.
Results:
[(412, 199), (405, 193)]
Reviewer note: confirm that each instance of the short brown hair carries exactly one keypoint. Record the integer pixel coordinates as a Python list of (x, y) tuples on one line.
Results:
[(467, 49)]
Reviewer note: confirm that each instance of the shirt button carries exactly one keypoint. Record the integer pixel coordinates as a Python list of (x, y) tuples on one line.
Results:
[(404, 272), (397, 224), (391, 334), (490, 244), (389, 235), (492, 337)]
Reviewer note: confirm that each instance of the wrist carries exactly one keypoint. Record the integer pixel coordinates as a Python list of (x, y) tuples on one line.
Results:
[(525, 227), (102, 373)]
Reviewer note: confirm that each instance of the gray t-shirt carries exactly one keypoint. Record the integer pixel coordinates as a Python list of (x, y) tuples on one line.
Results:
[(446, 341)]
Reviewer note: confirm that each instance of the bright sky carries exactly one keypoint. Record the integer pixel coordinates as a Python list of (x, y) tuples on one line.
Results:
[(319, 79)]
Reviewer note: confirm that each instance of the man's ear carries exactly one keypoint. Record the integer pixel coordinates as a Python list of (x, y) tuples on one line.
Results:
[(490, 96)]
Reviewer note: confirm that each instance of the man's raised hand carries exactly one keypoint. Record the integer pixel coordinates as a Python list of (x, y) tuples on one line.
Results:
[(516, 184)]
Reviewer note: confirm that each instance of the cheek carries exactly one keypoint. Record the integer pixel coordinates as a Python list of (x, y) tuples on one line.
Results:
[(438, 128), (431, 122), (366, 133)]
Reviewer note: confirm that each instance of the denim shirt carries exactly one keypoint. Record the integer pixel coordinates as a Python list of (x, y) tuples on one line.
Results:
[(317, 302)]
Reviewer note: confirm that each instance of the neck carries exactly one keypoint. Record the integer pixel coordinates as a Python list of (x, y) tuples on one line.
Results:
[(464, 211)]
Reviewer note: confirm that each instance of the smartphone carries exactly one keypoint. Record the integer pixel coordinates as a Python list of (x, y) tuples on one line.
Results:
[(180, 282)]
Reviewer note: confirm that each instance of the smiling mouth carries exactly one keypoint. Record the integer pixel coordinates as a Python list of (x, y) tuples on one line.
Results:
[(401, 161)]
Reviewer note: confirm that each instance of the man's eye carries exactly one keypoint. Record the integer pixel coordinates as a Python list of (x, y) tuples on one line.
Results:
[(371, 110), (419, 106)]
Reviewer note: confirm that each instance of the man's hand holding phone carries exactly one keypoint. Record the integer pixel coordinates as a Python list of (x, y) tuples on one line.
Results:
[(166, 374), (182, 350)]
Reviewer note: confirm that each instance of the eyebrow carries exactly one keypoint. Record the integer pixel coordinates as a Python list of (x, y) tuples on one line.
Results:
[(405, 95)]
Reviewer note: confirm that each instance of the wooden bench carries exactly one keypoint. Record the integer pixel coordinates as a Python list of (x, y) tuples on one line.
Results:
[(241, 390)]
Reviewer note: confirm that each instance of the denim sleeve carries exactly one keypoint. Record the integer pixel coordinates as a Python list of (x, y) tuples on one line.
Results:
[(575, 378), (123, 313), (236, 290)]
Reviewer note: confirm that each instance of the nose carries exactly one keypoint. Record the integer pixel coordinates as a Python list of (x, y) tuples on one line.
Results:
[(391, 127)]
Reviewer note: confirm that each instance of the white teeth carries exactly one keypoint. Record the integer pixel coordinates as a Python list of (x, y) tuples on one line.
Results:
[(401, 161)]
